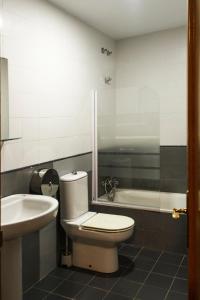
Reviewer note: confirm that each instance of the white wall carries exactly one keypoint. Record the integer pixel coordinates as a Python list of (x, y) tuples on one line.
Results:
[(54, 63), (151, 77)]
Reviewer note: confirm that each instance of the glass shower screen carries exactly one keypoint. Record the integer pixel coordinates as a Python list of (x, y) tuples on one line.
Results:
[(127, 148)]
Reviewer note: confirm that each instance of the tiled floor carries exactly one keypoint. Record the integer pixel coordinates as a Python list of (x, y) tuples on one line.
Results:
[(143, 274)]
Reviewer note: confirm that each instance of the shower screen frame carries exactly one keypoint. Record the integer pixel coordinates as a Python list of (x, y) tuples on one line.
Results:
[(96, 96), (94, 148)]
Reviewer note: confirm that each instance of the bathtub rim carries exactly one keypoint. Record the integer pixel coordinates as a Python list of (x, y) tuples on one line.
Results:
[(160, 208)]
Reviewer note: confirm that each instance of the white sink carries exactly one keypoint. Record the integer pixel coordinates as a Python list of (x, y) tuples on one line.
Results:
[(24, 213)]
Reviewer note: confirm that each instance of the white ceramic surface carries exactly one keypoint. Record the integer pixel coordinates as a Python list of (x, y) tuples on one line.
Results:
[(24, 213), (147, 200)]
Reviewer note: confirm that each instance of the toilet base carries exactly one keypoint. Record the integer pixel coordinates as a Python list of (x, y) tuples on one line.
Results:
[(96, 258)]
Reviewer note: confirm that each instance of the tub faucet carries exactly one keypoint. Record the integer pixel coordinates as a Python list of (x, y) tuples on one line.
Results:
[(115, 182), (110, 184)]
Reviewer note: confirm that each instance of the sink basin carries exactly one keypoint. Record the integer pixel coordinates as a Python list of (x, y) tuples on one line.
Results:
[(24, 213)]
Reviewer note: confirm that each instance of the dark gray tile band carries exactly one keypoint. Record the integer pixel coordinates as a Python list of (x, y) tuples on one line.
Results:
[(30, 260), (18, 181), (165, 171), (173, 169)]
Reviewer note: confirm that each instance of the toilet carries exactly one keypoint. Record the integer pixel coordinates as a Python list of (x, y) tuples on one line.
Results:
[(95, 236)]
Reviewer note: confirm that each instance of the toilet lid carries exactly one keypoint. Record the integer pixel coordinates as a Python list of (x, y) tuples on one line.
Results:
[(108, 223)]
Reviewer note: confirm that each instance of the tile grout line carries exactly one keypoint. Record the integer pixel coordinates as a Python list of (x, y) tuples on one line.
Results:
[(174, 277), (121, 274), (148, 275), (86, 285), (181, 265), (51, 292), (118, 279), (110, 290), (124, 267), (138, 253), (67, 279), (47, 291)]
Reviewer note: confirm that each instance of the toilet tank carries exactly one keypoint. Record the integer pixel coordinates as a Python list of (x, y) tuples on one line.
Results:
[(73, 195)]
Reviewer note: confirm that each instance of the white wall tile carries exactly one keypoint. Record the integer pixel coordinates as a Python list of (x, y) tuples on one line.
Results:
[(173, 129), (154, 67), (15, 127), (48, 150), (11, 156), (57, 127), (30, 128), (23, 104), (31, 153), (54, 63)]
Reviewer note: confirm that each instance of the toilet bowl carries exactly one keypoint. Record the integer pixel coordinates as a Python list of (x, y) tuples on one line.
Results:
[(95, 236)]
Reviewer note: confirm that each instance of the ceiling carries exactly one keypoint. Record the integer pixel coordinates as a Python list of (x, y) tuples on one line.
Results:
[(125, 18)]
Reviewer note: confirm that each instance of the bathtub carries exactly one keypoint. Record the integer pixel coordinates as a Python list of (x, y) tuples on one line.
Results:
[(146, 200)]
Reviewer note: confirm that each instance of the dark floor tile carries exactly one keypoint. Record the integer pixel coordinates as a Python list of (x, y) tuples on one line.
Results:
[(90, 293), (185, 261), (182, 272), (103, 282), (180, 285), (149, 254), (129, 250), (49, 283), (158, 280), (151, 293), (55, 297), (106, 281), (171, 258), (34, 294), (135, 275), (144, 264), (113, 296), (120, 246), (62, 273), (176, 296), (68, 289), (81, 276), (166, 269), (125, 261), (126, 288)]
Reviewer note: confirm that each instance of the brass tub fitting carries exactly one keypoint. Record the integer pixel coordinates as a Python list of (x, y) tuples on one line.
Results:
[(177, 212)]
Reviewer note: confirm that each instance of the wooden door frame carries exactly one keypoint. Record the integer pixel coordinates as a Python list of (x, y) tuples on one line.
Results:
[(193, 147)]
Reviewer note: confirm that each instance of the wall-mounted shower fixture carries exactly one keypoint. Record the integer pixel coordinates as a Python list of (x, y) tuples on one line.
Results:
[(106, 51), (108, 80)]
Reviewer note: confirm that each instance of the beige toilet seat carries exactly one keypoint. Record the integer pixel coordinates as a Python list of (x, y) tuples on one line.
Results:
[(108, 223)]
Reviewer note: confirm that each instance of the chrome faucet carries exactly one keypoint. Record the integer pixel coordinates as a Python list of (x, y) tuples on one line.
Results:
[(110, 184)]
